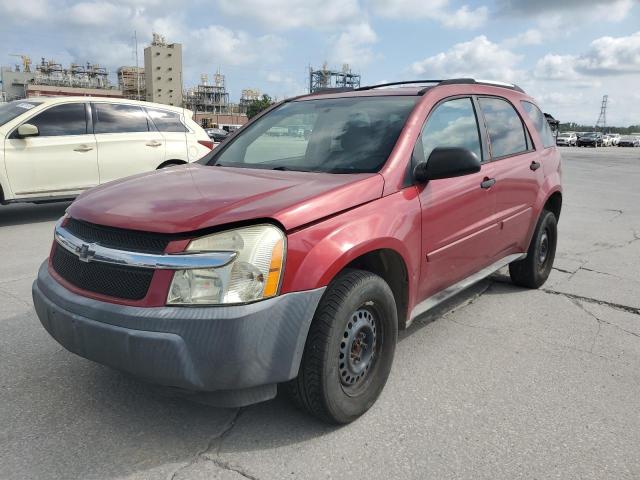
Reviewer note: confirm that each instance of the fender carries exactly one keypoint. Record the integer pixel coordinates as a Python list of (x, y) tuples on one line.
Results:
[(316, 254)]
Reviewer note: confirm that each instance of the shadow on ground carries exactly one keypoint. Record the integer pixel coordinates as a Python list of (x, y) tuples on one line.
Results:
[(24, 213)]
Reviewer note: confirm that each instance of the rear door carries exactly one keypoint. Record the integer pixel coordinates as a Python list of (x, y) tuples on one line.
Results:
[(61, 160), (517, 170), (458, 224), (173, 131), (127, 142)]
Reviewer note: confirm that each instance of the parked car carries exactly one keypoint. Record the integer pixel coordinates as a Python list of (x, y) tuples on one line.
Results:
[(590, 139), (217, 134), (606, 141), (615, 139), (278, 261), (53, 148), (567, 139), (629, 141)]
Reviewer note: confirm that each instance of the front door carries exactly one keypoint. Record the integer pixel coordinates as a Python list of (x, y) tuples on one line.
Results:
[(458, 214), (61, 160), (127, 143)]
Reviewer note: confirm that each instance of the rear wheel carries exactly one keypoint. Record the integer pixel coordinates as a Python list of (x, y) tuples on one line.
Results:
[(534, 270), (349, 349)]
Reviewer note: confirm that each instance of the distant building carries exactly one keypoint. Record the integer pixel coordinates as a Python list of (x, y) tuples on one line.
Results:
[(52, 79), (163, 71), (131, 81)]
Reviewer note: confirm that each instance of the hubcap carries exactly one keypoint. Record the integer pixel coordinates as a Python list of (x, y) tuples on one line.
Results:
[(358, 347), (543, 252)]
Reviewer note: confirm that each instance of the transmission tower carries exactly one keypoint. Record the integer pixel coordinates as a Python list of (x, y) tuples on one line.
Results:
[(602, 119)]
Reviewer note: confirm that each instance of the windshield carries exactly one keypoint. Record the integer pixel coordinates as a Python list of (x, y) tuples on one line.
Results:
[(590, 134), (9, 111), (343, 135)]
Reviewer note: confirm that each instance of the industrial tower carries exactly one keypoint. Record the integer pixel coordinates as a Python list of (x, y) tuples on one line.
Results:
[(602, 119)]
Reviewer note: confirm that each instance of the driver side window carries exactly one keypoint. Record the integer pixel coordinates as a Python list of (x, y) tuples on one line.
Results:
[(452, 124)]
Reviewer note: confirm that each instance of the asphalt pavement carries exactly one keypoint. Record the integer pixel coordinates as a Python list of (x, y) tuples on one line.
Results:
[(500, 383)]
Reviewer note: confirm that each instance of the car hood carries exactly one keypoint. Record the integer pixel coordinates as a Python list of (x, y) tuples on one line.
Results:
[(193, 197)]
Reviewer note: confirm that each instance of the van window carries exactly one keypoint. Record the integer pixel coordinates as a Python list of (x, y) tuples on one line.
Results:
[(68, 119), (166, 121), (541, 124), (506, 132), (452, 124), (118, 118)]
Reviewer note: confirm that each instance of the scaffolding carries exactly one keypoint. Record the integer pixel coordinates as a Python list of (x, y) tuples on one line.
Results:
[(131, 81), (50, 72), (208, 98), (326, 79), (248, 96)]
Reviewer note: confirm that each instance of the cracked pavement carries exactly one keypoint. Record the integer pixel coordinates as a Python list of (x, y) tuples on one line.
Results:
[(500, 382)]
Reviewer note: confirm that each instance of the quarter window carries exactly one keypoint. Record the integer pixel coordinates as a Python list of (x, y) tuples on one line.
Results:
[(506, 132), (452, 124), (166, 121), (541, 124), (67, 119), (117, 118)]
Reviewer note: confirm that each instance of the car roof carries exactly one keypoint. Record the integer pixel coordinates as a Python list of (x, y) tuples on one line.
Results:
[(52, 100)]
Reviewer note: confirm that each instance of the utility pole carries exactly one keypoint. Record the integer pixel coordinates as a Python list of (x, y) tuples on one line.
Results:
[(602, 119)]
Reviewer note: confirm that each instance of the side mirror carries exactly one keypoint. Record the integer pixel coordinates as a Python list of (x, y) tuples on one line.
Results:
[(447, 162), (28, 130)]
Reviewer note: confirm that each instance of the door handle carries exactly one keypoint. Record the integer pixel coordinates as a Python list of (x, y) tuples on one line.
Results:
[(534, 166), (154, 143), (83, 148), (488, 183)]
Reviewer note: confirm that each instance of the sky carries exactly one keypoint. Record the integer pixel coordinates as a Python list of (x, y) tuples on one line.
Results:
[(565, 53)]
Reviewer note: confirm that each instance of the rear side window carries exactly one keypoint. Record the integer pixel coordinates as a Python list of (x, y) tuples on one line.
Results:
[(541, 124), (68, 119), (166, 121), (116, 118), (452, 124), (506, 132)]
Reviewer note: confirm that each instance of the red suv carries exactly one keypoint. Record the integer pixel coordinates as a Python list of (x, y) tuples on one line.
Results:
[(294, 252)]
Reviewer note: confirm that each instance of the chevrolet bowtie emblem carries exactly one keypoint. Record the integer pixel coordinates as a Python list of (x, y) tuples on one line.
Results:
[(84, 252)]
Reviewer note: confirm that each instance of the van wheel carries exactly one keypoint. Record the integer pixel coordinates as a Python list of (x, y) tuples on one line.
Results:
[(349, 349), (534, 270)]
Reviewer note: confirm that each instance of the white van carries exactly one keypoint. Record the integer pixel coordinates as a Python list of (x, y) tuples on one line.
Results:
[(53, 148)]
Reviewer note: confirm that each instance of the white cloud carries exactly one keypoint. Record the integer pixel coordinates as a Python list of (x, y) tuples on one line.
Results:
[(353, 45), (96, 13), (478, 58), (24, 10), (285, 14), (606, 56), (222, 45), (438, 10)]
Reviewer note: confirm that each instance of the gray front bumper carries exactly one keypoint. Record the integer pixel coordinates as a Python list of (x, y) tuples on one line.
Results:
[(231, 349)]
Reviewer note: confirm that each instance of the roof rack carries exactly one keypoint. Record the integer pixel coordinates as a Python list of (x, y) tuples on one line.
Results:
[(450, 81), (391, 84)]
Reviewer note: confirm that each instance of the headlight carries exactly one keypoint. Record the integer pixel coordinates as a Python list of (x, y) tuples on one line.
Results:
[(253, 275)]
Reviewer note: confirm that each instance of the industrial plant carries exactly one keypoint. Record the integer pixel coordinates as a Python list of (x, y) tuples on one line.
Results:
[(160, 80)]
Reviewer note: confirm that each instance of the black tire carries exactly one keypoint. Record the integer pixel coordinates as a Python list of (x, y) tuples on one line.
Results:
[(357, 314), (534, 270)]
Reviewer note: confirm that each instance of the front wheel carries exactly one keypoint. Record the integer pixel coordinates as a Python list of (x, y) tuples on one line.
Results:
[(349, 349), (533, 271)]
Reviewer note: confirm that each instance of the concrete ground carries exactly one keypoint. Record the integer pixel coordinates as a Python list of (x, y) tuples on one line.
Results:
[(501, 383)]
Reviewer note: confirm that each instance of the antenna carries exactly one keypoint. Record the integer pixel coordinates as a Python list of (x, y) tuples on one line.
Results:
[(602, 119)]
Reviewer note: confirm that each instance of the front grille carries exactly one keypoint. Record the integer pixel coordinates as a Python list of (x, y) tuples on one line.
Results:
[(130, 283), (119, 238)]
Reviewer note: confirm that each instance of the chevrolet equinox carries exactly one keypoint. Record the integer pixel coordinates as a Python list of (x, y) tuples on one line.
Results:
[(293, 253)]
